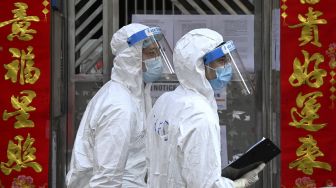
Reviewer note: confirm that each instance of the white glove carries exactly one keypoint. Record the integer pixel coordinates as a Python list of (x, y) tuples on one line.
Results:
[(249, 178)]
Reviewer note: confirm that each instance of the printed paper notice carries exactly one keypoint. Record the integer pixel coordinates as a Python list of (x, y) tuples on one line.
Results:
[(239, 28)]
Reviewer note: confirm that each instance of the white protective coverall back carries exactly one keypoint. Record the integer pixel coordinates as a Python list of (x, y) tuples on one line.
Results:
[(183, 136), (109, 149)]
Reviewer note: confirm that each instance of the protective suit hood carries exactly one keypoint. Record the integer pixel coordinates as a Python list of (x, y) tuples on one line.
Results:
[(188, 61), (127, 64)]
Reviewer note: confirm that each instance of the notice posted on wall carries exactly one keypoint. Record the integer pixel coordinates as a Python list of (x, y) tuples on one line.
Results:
[(238, 28), (158, 88), (221, 99)]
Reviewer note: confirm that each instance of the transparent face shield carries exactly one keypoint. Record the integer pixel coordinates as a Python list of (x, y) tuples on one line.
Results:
[(223, 66), (156, 54)]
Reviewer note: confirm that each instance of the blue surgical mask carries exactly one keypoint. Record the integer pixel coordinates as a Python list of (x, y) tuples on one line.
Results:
[(224, 75), (154, 70)]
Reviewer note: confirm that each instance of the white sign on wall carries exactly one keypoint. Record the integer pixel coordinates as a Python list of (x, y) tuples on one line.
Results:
[(221, 99), (239, 28), (158, 88)]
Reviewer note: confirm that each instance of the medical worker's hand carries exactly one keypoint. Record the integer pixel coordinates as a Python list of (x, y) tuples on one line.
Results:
[(249, 178)]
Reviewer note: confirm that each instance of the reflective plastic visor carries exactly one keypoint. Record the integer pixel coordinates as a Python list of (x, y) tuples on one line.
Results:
[(154, 36), (233, 59)]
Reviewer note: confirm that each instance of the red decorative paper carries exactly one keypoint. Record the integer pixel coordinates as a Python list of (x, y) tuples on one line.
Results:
[(25, 47), (318, 90)]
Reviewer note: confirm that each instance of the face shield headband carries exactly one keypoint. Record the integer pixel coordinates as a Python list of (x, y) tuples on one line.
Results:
[(220, 51)]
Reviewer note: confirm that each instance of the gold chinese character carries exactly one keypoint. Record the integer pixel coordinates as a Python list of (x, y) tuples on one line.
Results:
[(21, 104), (309, 25), (20, 156), (23, 65), (308, 113), (21, 23), (300, 72), (312, 2), (308, 152)]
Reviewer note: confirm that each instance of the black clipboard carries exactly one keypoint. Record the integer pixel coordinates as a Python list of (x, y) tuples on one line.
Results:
[(261, 152)]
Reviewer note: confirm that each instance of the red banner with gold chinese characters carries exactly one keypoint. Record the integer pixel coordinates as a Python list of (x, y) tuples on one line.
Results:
[(308, 93), (25, 96)]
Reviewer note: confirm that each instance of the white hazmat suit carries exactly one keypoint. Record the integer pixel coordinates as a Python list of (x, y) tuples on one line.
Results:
[(183, 135), (109, 149)]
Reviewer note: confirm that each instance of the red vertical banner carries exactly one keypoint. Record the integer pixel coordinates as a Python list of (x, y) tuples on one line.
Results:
[(25, 96), (308, 93)]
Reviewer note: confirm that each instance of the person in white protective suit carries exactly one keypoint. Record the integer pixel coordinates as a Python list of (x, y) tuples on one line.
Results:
[(109, 149), (183, 134)]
